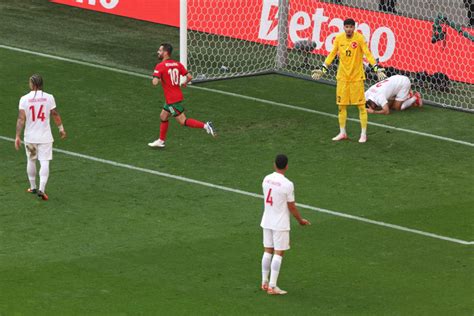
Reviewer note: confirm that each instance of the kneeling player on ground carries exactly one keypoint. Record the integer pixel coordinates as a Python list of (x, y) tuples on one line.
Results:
[(169, 73), (392, 93), (279, 196), (35, 109)]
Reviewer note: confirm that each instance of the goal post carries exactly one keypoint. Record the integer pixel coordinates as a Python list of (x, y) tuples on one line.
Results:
[(183, 32), (281, 58), (431, 44)]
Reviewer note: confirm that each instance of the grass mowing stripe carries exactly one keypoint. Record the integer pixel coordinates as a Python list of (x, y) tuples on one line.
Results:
[(294, 107), (289, 106), (228, 189), (74, 61)]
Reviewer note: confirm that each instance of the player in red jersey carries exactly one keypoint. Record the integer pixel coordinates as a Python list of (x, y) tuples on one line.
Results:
[(168, 72)]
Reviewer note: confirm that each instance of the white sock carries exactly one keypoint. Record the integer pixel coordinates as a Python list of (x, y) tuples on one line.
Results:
[(342, 130), (408, 103), (276, 264), (363, 132), (31, 171), (266, 262), (44, 174)]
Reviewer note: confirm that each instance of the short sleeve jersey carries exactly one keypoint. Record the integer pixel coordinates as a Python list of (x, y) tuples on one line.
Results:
[(169, 72), (277, 191), (395, 87), (37, 106)]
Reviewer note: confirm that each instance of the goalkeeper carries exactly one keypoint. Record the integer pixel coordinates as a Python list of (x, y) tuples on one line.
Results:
[(350, 46)]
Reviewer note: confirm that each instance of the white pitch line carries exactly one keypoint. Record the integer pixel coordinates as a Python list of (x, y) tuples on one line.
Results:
[(241, 96), (294, 107), (255, 195)]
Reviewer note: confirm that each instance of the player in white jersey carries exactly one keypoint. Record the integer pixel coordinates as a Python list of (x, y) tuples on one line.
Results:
[(279, 202), (392, 93), (35, 110)]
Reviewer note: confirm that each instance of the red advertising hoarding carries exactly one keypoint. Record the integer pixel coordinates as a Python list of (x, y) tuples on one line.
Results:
[(158, 11), (400, 42)]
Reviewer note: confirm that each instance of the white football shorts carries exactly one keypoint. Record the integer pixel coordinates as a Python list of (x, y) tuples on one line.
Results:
[(276, 239), (39, 151), (404, 92)]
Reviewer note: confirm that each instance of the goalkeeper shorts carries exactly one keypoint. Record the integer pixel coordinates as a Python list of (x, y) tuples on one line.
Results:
[(350, 93)]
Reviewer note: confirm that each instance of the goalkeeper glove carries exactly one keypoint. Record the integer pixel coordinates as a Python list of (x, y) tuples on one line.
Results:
[(380, 72), (319, 72)]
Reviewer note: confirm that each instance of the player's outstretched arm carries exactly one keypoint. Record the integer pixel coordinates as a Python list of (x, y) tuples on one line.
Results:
[(333, 53), (296, 214), (20, 123), (59, 123), (379, 71), (319, 72)]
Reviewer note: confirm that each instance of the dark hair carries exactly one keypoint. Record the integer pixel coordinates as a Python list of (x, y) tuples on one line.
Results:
[(281, 161), (371, 104), (167, 48), (37, 81), (349, 22)]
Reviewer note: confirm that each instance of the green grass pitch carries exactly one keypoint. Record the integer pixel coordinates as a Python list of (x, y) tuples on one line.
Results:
[(117, 241)]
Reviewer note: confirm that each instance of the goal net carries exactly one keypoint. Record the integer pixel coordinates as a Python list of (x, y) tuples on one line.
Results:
[(432, 42)]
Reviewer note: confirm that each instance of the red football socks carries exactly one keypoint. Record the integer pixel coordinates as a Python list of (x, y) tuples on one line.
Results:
[(163, 129), (194, 123)]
